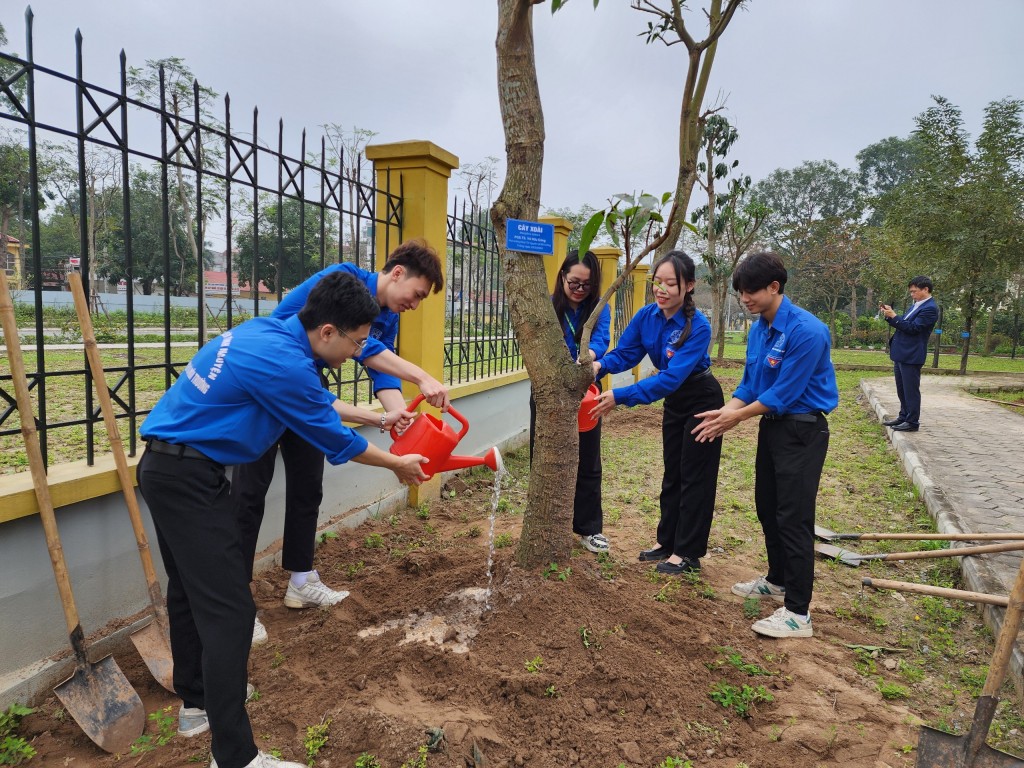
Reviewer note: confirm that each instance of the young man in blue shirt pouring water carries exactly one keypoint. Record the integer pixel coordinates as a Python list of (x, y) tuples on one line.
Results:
[(236, 397)]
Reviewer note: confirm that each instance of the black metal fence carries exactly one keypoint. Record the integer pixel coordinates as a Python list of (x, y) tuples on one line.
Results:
[(478, 331), (143, 189)]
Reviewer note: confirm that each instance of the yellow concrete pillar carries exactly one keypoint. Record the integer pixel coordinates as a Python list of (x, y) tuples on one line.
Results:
[(640, 274), (563, 227), (608, 258), (420, 170)]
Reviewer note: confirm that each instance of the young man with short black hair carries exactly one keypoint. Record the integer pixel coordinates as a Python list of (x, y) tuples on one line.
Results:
[(412, 270), (234, 399), (788, 381)]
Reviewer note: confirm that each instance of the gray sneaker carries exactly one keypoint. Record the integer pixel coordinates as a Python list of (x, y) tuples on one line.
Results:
[(259, 632), (784, 623), (263, 760), (314, 593), (759, 588), (192, 721)]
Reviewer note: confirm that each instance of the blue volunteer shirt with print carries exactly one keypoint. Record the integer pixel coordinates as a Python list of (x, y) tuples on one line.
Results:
[(383, 330), (651, 333), (789, 367), (600, 337), (242, 389)]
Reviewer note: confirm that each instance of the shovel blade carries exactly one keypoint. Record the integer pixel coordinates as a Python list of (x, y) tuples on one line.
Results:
[(938, 749), (154, 646), (102, 701), (844, 556)]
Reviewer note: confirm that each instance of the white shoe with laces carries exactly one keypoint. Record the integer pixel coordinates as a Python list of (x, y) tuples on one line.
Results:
[(759, 588), (259, 632), (192, 721), (596, 543), (784, 623), (314, 593), (263, 760)]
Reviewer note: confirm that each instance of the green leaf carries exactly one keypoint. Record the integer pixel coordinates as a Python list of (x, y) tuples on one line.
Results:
[(666, 197), (589, 231), (649, 201), (622, 197)]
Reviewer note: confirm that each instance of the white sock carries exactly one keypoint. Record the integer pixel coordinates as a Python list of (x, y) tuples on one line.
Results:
[(298, 578)]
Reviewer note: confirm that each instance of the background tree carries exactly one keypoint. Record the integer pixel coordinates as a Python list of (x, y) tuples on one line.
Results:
[(577, 218), (14, 194), (805, 203), (299, 246), (960, 216), (347, 147)]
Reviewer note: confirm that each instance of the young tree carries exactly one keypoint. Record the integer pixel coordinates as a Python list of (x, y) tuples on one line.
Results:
[(347, 148)]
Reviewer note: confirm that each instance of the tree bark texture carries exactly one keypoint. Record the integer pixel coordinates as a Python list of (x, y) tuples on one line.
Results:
[(558, 382)]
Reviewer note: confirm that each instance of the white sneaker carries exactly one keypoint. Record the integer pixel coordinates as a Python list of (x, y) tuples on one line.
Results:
[(313, 593), (784, 623), (259, 632), (192, 721), (596, 543), (263, 760), (759, 588)]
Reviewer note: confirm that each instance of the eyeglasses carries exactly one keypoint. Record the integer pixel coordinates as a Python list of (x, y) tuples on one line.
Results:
[(359, 344), (576, 286)]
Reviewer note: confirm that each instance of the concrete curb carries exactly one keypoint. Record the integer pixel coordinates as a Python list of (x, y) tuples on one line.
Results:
[(978, 576)]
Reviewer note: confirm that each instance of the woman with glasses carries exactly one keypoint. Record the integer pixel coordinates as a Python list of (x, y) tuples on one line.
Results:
[(576, 293), (676, 336)]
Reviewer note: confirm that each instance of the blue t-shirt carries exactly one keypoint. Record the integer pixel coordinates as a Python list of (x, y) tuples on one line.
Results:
[(600, 337), (651, 333), (383, 330), (789, 367), (242, 389)]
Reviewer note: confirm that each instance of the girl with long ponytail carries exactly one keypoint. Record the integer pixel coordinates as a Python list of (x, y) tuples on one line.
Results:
[(676, 336)]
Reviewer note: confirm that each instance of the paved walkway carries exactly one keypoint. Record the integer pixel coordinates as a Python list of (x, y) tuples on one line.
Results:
[(967, 462)]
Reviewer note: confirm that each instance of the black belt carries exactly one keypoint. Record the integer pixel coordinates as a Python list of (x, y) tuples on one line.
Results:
[(181, 451), (810, 418), (699, 375)]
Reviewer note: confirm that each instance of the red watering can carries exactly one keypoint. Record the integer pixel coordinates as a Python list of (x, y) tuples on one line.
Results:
[(586, 422), (431, 437)]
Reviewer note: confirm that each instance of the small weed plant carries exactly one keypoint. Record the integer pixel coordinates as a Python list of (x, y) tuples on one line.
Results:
[(423, 512), (588, 639), (739, 699), (367, 760), (892, 691), (554, 572), (751, 608), (374, 541), (278, 660), (353, 568), (551, 692), (166, 725), (327, 536), (534, 665), (503, 540), (735, 659), (420, 761), (14, 750), (675, 762), (316, 738)]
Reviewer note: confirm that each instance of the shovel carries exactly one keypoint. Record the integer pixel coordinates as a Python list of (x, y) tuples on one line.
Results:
[(826, 535), (98, 695), (938, 749), (853, 559), (153, 641)]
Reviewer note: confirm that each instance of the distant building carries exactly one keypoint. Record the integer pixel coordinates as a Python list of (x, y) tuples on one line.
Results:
[(216, 284)]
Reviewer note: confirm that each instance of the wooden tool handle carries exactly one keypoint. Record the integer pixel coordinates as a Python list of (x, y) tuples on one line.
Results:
[(928, 589), (1011, 546), (930, 537), (1007, 636), (35, 456)]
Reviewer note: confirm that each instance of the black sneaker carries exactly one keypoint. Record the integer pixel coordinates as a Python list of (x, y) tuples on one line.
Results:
[(686, 565), (658, 553)]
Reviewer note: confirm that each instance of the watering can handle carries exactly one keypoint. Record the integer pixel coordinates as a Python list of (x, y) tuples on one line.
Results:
[(451, 409)]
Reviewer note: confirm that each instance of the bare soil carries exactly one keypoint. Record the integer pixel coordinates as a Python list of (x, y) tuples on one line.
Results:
[(516, 683)]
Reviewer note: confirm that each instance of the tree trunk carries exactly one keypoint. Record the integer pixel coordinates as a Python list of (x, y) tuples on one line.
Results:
[(721, 297), (558, 382), (990, 320), (853, 305)]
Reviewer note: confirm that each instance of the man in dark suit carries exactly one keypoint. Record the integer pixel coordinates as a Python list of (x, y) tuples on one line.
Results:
[(908, 348)]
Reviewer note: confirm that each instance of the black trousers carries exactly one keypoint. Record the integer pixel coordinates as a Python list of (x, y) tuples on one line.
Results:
[(208, 601), (690, 483), (790, 455), (908, 389), (304, 490), (587, 514)]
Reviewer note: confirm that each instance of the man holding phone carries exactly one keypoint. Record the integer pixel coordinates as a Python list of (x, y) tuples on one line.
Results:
[(908, 348)]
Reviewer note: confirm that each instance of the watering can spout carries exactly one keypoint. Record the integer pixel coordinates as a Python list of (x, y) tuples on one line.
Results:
[(489, 459)]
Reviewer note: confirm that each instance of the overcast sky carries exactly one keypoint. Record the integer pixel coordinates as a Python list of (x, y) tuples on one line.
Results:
[(801, 79)]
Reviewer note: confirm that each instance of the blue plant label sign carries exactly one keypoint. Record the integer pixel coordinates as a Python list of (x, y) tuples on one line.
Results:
[(530, 237)]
